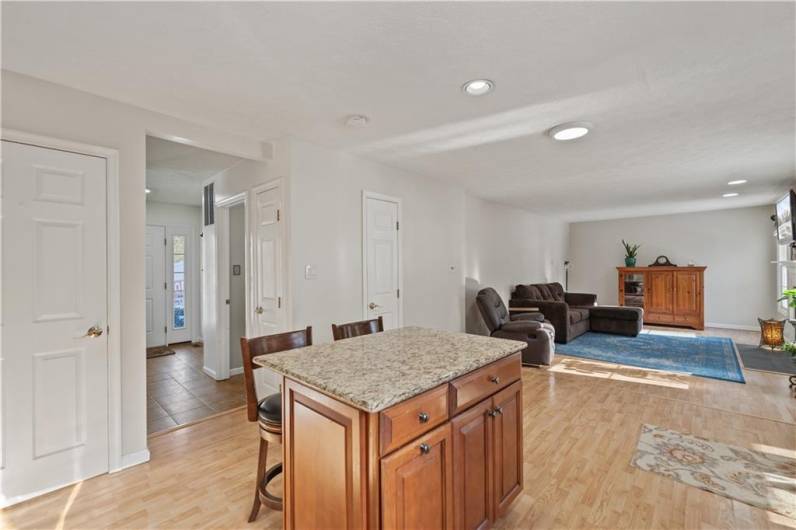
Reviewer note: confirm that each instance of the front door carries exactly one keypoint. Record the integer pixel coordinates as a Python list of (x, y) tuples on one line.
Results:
[(155, 286), (382, 261), (269, 306), (54, 298)]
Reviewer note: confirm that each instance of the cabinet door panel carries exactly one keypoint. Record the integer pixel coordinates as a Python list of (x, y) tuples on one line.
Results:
[(507, 448), (472, 467), (660, 296), (686, 293), (417, 484)]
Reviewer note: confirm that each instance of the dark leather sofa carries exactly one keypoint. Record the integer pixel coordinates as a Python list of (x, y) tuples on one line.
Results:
[(568, 312), (527, 327)]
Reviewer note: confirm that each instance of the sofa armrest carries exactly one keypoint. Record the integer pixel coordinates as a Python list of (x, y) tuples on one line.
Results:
[(532, 317), (580, 299)]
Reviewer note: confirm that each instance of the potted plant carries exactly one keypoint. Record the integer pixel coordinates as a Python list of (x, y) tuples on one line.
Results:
[(631, 251)]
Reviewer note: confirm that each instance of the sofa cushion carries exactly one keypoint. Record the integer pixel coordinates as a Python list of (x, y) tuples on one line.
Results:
[(527, 291), (578, 314)]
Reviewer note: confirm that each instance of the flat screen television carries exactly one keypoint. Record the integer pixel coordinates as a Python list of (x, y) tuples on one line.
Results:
[(786, 223)]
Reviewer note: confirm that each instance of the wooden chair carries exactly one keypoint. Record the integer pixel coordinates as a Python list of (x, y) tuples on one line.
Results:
[(267, 412), (355, 329)]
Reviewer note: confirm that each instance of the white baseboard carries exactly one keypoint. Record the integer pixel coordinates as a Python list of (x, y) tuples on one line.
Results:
[(740, 327), (130, 460), (133, 459), (235, 371), (211, 373)]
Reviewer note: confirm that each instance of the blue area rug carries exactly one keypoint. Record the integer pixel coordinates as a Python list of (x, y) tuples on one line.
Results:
[(713, 357)]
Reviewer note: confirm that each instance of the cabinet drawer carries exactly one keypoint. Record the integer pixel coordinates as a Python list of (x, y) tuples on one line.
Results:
[(469, 389), (411, 418)]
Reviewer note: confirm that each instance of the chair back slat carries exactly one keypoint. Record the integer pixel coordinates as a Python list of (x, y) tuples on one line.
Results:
[(251, 348), (355, 329)]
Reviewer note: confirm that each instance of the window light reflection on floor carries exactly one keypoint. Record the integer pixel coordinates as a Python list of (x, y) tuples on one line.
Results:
[(619, 372)]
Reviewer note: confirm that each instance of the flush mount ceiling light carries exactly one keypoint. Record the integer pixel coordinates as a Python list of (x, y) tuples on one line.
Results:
[(570, 131), (736, 182), (478, 87), (357, 120), (147, 191), (728, 195)]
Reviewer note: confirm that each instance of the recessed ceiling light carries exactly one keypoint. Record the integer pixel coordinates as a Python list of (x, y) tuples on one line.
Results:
[(478, 87), (357, 120), (736, 182), (728, 195), (570, 131), (147, 190)]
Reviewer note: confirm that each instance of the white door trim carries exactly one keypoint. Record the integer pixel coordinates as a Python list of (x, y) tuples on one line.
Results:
[(287, 291), (373, 195), (222, 277), (111, 156)]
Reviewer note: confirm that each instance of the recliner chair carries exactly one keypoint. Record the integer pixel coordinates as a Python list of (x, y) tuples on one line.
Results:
[(530, 328)]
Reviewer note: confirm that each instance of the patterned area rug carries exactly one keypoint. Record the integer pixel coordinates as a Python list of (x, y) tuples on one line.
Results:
[(713, 357), (759, 479), (158, 351)]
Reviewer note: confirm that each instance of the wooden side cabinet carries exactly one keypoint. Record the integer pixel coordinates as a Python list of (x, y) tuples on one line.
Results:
[(668, 295)]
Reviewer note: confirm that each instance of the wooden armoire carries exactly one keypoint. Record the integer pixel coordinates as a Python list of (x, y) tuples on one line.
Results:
[(673, 296)]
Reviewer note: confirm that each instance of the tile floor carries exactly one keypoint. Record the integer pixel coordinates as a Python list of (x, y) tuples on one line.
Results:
[(178, 392)]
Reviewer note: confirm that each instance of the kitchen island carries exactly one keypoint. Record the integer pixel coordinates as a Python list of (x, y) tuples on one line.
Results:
[(409, 428)]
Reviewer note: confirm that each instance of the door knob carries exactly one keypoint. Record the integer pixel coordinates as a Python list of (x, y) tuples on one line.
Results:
[(495, 379), (94, 332), (259, 310), (372, 306), (424, 449)]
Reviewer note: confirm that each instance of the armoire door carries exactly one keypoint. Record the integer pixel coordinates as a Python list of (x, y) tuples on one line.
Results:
[(687, 291), (659, 304)]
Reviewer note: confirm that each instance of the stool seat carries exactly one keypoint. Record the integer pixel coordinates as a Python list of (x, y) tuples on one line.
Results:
[(270, 408)]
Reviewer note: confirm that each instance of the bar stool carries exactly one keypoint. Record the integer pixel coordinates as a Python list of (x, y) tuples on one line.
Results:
[(355, 329), (268, 411)]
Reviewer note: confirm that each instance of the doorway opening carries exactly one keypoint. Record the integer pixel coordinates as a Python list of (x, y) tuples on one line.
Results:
[(179, 390)]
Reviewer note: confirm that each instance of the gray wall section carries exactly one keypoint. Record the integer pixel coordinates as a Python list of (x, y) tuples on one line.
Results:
[(237, 287)]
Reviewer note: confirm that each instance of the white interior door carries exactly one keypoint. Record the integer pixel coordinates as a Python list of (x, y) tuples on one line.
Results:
[(269, 306), (54, 345), (155, 286), (382, 260)]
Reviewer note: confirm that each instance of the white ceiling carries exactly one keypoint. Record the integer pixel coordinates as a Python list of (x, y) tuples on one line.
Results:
[(684, 96), (175, 172)]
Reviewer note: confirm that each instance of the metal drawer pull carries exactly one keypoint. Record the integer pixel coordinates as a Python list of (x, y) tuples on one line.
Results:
[(422, 417), (492, 413), (498, 410), (495, 379), (424, 449)]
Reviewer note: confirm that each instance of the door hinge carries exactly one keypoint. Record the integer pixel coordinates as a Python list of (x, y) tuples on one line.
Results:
[(278, 215), (278, 302), (397, 293), (165, 242), (166, 286), (397, 225), (165, 329)]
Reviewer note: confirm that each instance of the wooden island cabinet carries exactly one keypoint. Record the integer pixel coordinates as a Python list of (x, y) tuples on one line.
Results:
[(441, 448), (668, 295)]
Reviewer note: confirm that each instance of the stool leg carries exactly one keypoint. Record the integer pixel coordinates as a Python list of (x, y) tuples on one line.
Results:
[(261, 467)]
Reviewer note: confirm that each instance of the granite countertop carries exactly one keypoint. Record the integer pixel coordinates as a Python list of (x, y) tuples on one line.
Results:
[(373, 372)]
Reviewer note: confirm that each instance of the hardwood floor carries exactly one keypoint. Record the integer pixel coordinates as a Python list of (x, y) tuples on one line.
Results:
[(179, 392), (581, 425)]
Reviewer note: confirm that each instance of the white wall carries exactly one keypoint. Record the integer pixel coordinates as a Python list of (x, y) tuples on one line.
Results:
[(237, 285), (326, 231), (736, 245), (39, 107), (506, 246), (173, 215)]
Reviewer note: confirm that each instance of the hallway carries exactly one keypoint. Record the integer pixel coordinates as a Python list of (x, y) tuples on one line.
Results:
[(178, 392)]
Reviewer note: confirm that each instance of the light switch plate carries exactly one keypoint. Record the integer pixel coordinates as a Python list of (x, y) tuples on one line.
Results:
[(310, 273)]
